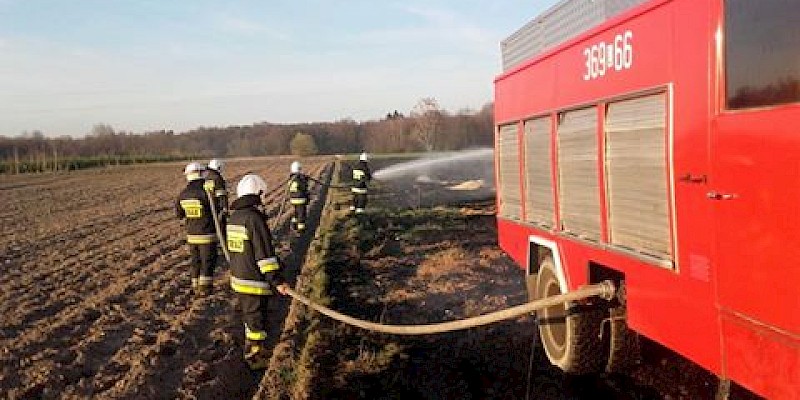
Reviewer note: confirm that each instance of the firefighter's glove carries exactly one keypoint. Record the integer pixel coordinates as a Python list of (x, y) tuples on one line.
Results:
[(283, 289)]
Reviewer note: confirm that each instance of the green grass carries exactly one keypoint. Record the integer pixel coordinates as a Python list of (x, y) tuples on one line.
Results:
[(293, 361), (78, 163)]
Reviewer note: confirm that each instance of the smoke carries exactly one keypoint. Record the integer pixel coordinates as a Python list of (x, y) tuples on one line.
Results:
[(442, 178)]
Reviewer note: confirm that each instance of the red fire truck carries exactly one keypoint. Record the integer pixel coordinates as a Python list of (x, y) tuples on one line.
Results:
[(657, 144)]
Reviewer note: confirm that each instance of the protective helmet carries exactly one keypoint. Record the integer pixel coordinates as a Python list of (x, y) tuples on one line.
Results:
[(363, 157), (295, 167), (193, 171), (216, 165), (251, 184)]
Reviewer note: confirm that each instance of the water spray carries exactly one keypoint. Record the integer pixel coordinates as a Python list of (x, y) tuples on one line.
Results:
[(437, 161), (441, 178)]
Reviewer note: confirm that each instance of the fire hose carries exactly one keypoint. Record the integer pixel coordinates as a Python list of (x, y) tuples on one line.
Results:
[(605, 290), (217, 227)]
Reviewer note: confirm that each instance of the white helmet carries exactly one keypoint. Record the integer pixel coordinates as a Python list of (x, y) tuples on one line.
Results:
[(251, 184), (295, 167), (363, 157), (216, 165), (193, 171)]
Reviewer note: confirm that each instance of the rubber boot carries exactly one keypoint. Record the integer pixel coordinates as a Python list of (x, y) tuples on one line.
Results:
[(203, 290), (254, 355)]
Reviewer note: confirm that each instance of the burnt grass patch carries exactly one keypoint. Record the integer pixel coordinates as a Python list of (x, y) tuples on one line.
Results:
[(426, 266), (429, 265), (380, 276)]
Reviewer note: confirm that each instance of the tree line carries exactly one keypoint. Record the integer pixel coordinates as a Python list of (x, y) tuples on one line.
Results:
[(427, 127)]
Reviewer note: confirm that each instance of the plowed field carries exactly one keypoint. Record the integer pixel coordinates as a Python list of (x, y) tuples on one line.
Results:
[(94, 287)]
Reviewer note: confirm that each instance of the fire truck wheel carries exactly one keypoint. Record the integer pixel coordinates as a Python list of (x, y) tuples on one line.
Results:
[(624, 345), (530, 285), (569, 332)]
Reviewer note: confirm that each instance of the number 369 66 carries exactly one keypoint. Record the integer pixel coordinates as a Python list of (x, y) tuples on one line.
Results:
[(603, 57)]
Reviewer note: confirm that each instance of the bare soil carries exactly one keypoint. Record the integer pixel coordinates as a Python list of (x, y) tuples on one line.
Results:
[(94, 287)]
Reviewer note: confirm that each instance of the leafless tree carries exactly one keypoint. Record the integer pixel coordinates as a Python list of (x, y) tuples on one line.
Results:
[(428, 118)]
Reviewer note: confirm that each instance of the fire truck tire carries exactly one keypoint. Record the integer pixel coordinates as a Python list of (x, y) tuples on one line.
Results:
[(570, 333), (530, 285)]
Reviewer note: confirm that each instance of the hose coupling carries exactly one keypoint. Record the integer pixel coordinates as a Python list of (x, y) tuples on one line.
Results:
[(609, 290)]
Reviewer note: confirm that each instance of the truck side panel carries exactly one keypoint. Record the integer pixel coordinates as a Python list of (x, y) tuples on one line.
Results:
[(672, 52)]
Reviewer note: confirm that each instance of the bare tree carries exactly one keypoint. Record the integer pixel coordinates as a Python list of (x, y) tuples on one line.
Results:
[(428, 118)]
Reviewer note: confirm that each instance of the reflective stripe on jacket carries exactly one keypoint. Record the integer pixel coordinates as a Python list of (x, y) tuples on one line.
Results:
[(268, 265), (207, 238), (192, 205), (298, 188), (252, 334), (361, 175), (255, 267)]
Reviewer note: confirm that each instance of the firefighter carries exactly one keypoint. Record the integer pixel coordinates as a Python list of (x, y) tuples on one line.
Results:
[(193, 205), (298, 196), (361, 176), (256, 271), (215, 184)]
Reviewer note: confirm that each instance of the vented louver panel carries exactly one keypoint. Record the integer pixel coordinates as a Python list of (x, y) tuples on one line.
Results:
[(538, 172), (508, 160), (636, 168), (562, 22), (577, 170)]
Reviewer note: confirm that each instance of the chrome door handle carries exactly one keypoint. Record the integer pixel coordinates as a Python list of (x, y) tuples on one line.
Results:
[(721, 196)]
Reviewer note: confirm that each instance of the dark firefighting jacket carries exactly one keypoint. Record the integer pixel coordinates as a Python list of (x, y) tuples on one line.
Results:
[(255, 268), (193, 205), (361, 176), (298, 188), (215, 183)]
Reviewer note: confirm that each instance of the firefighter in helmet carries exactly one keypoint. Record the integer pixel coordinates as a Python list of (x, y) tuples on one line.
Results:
[(193, 205), (215, 184), (361, 176), (298, 196), (256, 272)]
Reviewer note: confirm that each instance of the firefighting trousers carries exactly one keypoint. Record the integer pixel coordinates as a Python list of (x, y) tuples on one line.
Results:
[(254, 315), (359, 202), (299, 217), (203, 260)]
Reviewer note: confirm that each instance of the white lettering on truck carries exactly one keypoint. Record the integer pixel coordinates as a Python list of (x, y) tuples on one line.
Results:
[(603, 57)]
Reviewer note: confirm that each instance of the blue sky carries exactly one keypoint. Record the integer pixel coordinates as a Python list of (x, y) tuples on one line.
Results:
[(141, 65)]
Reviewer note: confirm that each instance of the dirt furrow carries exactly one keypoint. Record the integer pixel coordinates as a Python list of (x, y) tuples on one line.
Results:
[(101, 331), (64, 272), (62, 330), (95, 292)]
